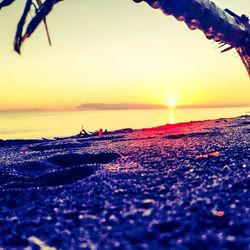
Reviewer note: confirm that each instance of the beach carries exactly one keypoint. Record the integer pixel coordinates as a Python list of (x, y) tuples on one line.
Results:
[(177, 186)]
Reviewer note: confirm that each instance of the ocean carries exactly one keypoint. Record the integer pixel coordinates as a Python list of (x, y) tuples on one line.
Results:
[(39, 124)]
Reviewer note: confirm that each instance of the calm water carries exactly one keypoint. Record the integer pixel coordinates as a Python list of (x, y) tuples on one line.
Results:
[(16, 125)]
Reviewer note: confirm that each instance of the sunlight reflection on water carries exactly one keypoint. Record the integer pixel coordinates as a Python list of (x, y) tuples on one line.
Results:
[(171, 119), (17, 125)]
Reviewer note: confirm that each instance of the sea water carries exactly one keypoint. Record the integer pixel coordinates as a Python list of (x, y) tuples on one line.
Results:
[(38, 124)]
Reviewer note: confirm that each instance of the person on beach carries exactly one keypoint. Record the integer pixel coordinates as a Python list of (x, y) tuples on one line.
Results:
[(100, 133)]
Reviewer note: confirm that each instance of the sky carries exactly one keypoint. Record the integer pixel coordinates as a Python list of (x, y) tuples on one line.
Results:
[(117, 51)]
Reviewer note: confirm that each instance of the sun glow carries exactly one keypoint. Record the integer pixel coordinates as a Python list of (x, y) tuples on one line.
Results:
[(171, 102)]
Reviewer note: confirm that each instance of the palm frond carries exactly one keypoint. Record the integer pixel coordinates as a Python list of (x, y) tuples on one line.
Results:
[(19, 38), (5, 3), (42, 10), (223, 26)]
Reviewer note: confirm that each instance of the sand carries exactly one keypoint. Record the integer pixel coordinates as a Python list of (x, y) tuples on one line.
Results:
[(183, 186)]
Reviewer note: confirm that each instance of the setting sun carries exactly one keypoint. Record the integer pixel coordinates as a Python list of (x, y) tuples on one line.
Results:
[(171, 102)]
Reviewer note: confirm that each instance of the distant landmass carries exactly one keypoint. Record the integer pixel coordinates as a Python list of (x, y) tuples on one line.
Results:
[(134, 106), (119, 106)]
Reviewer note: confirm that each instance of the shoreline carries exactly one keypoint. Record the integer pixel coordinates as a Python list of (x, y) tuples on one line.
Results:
[(180, 186), (121, 130), (64, 124)]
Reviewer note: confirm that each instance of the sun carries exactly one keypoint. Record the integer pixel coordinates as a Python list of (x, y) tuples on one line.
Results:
[(171, 102)]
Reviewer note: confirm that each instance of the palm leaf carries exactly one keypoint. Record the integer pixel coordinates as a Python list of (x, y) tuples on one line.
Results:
[(223, 26)]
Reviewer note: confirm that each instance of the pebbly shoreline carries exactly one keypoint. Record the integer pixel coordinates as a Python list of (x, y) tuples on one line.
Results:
[(183, 186)]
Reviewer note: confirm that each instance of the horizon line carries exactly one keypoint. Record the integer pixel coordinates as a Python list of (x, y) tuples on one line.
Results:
[(125, 106)]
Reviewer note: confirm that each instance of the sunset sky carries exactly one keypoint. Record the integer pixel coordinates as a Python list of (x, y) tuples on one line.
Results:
[(117, 52)]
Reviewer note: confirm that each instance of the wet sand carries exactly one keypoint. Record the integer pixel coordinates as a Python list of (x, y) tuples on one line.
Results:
[(183, 186)]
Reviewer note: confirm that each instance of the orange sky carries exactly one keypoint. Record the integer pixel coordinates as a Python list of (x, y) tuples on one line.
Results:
[(117, 52)]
